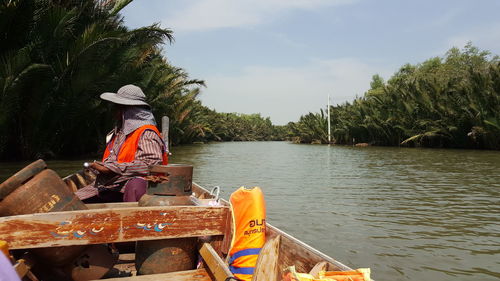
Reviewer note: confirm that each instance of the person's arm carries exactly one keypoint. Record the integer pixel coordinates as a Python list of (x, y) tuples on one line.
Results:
[(149, 152)]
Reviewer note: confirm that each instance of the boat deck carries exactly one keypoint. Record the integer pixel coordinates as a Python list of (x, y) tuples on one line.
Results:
[(188, 275)]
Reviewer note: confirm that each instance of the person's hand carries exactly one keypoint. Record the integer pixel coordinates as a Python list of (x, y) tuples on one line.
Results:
[(100, 168)]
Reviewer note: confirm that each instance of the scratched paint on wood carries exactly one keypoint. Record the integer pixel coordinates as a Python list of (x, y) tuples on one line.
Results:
[(111, 225)]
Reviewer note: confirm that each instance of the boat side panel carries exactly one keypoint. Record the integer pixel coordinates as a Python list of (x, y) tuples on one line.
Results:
[(298, 253), (111, 225)]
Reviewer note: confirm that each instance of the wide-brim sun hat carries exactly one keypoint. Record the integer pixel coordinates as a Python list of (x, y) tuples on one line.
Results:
[(126, 95)]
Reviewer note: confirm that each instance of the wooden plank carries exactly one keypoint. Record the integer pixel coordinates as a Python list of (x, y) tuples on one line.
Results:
[(215, 242), (266, 267), (228, 234), (188, 275), (320, 266), (124, 265), (112, 205), (111, 225), (79, 179), (21, 268), (222, 243), (298, 253), (71, 185), (214, 262)]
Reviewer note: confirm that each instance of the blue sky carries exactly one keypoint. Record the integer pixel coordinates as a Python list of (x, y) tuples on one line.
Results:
[(282, 58)]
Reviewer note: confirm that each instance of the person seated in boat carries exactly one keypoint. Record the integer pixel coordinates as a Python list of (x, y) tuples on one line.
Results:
[(131, 147)]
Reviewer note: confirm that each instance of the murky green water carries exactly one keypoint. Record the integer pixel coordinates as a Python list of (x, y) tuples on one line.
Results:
[(409, 214)]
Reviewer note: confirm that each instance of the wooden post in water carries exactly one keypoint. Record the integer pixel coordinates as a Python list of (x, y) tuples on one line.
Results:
[(165, 122), (328, 110)]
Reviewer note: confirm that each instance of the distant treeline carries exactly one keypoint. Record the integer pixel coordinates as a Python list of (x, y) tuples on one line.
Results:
[(57, 57), (453, 101), (216, 126)]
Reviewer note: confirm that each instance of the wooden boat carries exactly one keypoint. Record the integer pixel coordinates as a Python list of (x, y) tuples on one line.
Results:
[(122, 223)]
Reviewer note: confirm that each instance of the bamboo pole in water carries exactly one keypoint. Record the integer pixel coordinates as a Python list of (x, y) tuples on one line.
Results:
[(165, 122), (328, 112)]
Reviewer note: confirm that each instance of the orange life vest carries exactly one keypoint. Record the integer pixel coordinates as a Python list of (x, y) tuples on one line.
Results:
[(129, 146), (249, 223)]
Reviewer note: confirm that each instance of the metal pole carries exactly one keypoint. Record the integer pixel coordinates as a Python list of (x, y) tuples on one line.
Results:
[(329, 134)]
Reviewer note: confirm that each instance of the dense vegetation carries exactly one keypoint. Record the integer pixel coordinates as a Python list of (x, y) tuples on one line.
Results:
[(453, 101), (57, 57)]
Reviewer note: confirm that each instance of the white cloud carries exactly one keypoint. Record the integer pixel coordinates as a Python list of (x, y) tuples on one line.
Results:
[(213, 14), (285, 93)]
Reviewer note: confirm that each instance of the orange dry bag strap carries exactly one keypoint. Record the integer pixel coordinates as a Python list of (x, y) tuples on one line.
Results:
[(239, 254)]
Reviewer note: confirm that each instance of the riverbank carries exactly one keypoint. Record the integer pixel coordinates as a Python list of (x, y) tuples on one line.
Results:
[(451, 101)]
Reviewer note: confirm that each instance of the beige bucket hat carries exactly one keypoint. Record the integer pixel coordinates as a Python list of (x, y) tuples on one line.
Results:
[(126, 95)]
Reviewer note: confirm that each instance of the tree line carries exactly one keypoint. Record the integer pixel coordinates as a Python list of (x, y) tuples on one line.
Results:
[(450, 101), (58, 56)]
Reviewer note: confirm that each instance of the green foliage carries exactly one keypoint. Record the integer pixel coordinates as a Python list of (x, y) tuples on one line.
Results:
[(57, 57), (452, 101), (215, 126), (310, 128)]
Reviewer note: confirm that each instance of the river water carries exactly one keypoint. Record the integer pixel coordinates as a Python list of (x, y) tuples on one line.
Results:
[(408, 214)]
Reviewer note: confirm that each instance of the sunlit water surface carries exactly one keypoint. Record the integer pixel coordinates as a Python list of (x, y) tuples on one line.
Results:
[(408, 214)]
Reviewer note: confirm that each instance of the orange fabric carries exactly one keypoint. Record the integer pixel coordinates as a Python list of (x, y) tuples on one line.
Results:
[(129, 147), (350, 276), (362, 274), (249, 224), (4, 247)]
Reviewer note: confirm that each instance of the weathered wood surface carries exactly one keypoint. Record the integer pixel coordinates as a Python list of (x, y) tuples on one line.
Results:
[(221, 243), (320, 266), (188, 275), (21, 268), (112, 205), (266, 267), (298, 253), (124, 265), (79, 179), (216, 265), (111, 225)]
